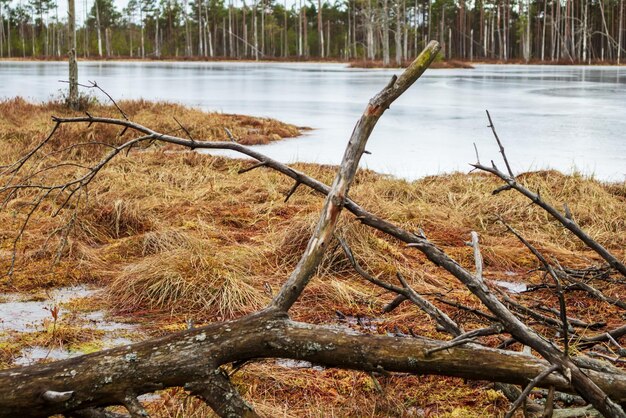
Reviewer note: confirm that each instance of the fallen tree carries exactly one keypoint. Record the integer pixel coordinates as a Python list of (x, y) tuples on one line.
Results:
[(192, 359), (84, 385)]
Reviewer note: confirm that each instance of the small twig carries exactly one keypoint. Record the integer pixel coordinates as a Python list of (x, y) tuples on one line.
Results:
[(481, 332), (453, 343), (478, 258), (292, 190), (495, 134), (615, 359), (437, 314), (376, 383), (574, 322), (397, 301), (468, 337), (557, 282), (476, 151), (589, 342), (134, 407), (252, 167), (184, 129), (500, 189), (530, 387), (230, 135), (547, 411), (467, 308)]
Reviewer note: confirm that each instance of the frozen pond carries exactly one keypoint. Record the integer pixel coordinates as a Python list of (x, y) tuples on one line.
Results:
[(548, 116)]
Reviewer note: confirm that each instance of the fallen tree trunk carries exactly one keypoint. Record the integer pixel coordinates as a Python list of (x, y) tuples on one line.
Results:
[(190, 359)]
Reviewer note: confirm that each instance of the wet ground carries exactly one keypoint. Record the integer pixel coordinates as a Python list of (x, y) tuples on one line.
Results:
[(59, 324)]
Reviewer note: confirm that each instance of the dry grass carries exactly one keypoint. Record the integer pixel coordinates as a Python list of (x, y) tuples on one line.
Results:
[(441, 64), (175, 236)]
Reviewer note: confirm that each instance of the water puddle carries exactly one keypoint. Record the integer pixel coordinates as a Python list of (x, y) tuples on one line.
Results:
[(32, 355), (297, 364), (512, 287), (361, 322), (18, 312), (24, 314)]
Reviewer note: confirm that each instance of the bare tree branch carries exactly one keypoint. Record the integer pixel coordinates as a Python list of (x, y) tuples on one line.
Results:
[(566, 221)]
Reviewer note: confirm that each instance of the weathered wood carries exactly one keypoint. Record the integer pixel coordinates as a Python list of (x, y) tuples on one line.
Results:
[(192, 356), (335, 200)]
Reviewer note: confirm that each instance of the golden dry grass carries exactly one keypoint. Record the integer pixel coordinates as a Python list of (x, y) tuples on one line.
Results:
[(174, 236)]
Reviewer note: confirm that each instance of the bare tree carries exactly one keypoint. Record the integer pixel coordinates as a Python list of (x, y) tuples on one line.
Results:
[(73, 66)]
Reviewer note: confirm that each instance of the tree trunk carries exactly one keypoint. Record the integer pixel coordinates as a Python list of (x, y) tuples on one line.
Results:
[(527, 49), (505, 26), (585, 35), (256, 35), (263, 27), (543, 30), (157, 43), (245, 30), (300, 30), (200, 31), (620, 31), (224, 52), (385, 28), (286, 32), (370, 31), (306, 34), (328, 38), (230, 29), (193, 356), (98, 28), (73, 66), (9, 36), (398, 33), (143, 43), (2, 36), (320, 28), (107, 42)]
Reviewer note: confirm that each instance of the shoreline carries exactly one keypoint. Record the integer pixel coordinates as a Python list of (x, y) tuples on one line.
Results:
[(352, 63)]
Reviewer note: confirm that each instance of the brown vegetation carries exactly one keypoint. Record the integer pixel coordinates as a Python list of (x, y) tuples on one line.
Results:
[(180, 236), (440, 64)]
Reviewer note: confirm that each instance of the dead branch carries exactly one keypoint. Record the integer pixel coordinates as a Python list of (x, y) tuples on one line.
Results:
[(533, 383), (195, 354), (335, 200), (566, 221), (559, 289)]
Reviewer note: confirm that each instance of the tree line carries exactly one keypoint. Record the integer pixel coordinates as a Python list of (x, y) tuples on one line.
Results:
[(387, 30)]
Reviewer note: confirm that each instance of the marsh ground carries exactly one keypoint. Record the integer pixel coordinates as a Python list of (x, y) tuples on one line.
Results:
[(169, 236)]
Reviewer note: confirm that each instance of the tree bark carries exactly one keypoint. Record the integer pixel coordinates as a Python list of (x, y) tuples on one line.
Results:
[(190, 357), (73, 66)]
